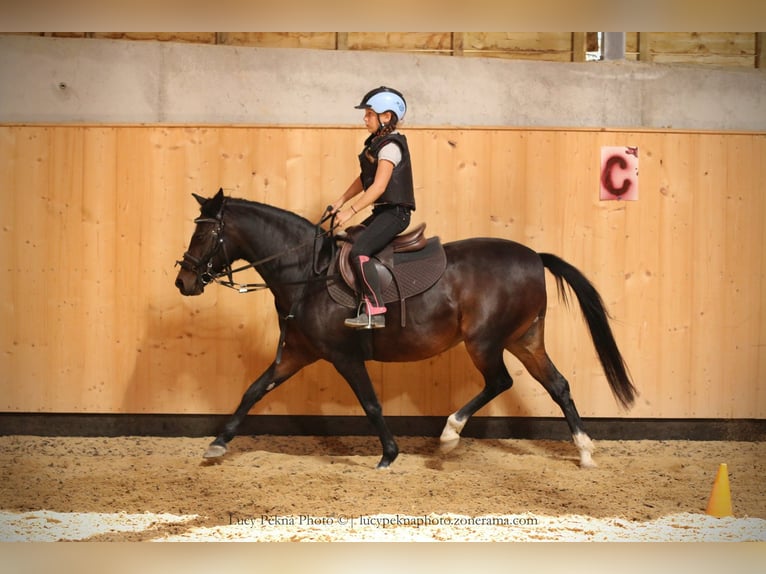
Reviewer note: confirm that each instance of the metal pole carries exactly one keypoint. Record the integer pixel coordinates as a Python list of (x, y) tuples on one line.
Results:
[(614, 45)]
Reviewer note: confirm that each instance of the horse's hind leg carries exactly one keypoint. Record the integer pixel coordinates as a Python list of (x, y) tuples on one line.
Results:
[(530, 350), (488, 358)]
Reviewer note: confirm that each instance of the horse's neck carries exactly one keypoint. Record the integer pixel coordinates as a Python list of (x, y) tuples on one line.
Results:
[(280, 236)]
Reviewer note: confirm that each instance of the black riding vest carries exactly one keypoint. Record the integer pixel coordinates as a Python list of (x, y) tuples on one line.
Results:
[(400, 190)]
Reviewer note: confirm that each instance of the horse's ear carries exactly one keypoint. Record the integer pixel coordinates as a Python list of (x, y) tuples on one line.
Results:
[(214, 206), (211, 208)]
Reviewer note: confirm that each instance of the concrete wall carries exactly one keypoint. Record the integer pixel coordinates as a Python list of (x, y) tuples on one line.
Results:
[(101, 81)]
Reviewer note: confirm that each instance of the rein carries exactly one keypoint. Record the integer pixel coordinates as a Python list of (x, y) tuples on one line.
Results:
[(207, 276)]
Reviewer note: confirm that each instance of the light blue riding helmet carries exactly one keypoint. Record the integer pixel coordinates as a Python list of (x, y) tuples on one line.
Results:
[(384, 99)]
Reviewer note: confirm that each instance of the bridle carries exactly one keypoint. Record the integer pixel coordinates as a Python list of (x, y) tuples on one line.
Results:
[(203, 266)]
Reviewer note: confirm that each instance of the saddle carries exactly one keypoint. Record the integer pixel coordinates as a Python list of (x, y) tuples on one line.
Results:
[(407, 266)]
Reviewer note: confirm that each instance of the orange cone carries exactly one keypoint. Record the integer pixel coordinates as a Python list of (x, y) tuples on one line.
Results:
[(719, 504)]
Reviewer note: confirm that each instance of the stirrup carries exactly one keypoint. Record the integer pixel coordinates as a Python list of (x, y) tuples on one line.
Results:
[(365, 321)]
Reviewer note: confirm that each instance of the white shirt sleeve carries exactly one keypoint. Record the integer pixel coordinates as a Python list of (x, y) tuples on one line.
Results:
[(390, 152)]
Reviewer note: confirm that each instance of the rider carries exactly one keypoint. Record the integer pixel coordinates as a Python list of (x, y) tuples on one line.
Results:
[(385, 182)]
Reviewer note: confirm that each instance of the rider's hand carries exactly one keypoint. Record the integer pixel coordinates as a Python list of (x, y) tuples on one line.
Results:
[(341, 217), (335, 207)]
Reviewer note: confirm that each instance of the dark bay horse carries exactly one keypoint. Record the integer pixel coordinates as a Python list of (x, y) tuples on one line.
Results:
[(491, 296)]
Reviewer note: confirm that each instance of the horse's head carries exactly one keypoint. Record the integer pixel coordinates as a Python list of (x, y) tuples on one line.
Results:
[(205, 258)]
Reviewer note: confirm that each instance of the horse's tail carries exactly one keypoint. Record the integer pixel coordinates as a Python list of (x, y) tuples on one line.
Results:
[(597, 318)]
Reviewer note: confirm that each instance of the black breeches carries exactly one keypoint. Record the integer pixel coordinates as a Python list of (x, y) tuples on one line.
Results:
[(381, 227)]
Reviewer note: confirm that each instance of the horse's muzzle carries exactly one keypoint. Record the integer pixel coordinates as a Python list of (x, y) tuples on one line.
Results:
[(188, 283)]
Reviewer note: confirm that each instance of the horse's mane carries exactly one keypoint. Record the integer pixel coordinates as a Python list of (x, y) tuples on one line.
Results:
[(242, 206)]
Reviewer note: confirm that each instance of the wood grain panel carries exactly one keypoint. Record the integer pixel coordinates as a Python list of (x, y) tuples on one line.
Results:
[(314, 40), (729, 49), (550, 46), (94, 218), (439, 42)]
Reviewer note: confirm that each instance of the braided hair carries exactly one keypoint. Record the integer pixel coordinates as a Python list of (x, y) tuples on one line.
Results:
[(386, 129)]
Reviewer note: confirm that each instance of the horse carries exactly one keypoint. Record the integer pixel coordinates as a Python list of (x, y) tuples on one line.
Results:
[(491, 296)]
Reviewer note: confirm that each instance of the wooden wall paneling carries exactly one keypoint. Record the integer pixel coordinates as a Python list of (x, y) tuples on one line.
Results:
[(759, 340), (250, 164), (10, 342), (706, 249), (25, 157), (465, 159), (676, 273), (249, 346), (731, 49), (316, 169), (636, 46), (579, 46), (98, 296), (302, 166), (468, 158), (567, 230), (199, 331), (435, 42), (457, 43), (312, 40), (473, 161), (331, 169), (439, 192), (551, 46), (723, 267), (593, 240), (638, 315), (502, 183), (61, 252), (442, 384), (537, 204), (742, 303), (504, 217), (407, 388), (189, 37), (96, 216), (144, 389), (162, 330)]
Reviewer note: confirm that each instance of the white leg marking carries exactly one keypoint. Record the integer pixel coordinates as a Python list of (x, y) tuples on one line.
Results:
[(585, 445), (452, 429)]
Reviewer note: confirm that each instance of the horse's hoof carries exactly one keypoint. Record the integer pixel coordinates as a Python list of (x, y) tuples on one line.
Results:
[(587, 462), (447, 446), (214, 451), (386, 461)]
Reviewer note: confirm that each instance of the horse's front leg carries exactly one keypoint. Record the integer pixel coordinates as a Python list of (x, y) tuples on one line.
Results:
[(270, 379), (358, 379)]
